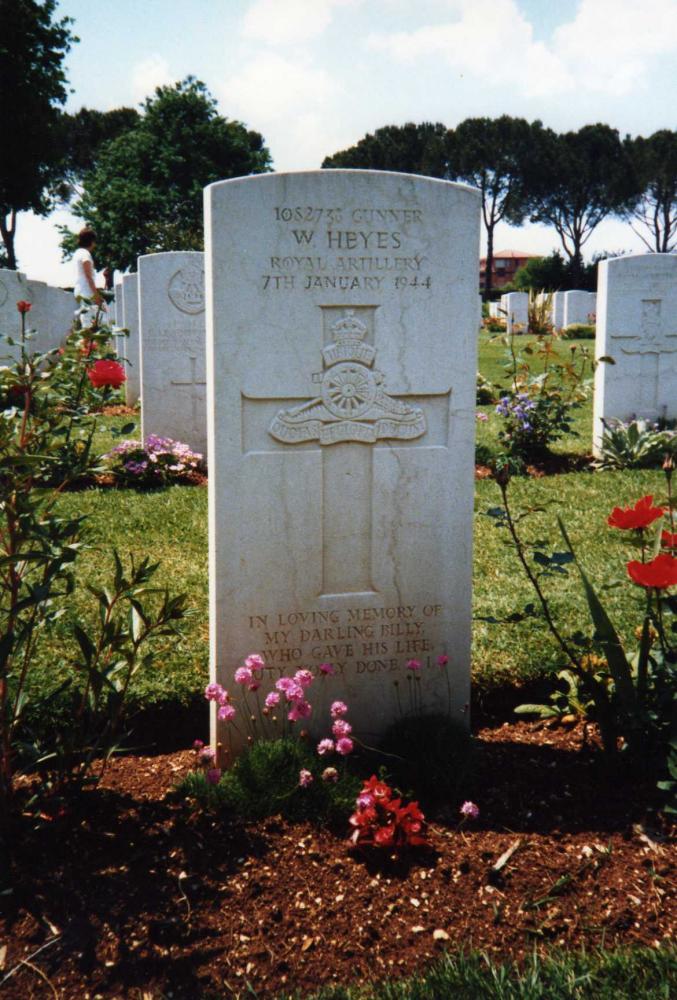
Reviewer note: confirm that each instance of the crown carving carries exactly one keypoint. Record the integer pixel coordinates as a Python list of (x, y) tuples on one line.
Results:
[(349, 332)]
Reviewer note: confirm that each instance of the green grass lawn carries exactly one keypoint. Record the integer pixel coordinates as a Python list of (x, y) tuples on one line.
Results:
[(171, 526)]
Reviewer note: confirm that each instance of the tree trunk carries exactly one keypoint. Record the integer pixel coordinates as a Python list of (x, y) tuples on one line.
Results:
[(490, 261), (8, 232)]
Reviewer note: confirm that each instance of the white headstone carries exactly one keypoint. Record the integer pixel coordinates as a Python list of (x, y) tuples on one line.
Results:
[(130, 345), (494, 308), (342, 353), (516, 306), (39, 315), (637, 327), (14, 288), (578, 307), (61, 308), (172, 328), (558, 310)]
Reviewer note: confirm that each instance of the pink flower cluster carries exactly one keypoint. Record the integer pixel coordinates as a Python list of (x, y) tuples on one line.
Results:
[(205, 759), (250, 674), (341, 730), (294, 691), (214, 692)]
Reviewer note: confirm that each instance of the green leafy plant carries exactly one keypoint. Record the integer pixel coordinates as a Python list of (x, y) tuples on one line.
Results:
[(630, 694), (539, 311), (635, 445), (579, 331), (538, 406), (46, 434)]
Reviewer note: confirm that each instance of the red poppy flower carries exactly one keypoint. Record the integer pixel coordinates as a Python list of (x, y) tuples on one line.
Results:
[(104, 373), (640, 516), (23, 306), (669, 539), (660, 573)]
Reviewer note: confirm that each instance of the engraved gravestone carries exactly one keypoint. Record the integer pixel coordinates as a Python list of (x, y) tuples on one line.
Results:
[(172, 334), (130, 345), (342, 337), (637, 327), (557, 310)]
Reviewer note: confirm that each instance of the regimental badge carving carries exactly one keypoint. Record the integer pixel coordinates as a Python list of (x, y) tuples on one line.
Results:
[(186, 290), (353, 404), (3, 293), (649, 340)]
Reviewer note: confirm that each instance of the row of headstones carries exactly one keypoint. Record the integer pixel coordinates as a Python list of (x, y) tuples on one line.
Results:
[(566, 309), (340, 383), (51, 313)]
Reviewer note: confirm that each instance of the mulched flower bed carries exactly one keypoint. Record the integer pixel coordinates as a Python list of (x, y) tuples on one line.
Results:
[(136, 892), (556, 465)]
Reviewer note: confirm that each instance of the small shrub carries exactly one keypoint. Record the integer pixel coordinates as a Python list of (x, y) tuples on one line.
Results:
[(265, 781), (635, 445), (485, 393), (579, 331), (158, 462)]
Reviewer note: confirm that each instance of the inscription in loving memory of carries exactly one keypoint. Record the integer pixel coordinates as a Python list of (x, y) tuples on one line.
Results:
[(369, 249), (368, 640)]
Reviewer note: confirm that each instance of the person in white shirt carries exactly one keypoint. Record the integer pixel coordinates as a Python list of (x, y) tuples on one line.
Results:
[(85, 275)]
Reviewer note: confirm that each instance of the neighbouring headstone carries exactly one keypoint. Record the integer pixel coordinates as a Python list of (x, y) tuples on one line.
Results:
[(516, 306), (557, 310), (172, 330), (579, 306), (637, 327), (14, 287), (130, 346), (494, 309), (60, 315), (342, 354)]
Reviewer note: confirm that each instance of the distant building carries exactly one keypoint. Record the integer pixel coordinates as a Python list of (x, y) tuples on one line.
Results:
[(505, 265)]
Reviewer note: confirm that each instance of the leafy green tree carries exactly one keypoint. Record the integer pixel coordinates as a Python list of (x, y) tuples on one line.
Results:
[(84, 134), (555, 274), (492, 154), (408, 149), (33, 84), (655, 214), (144, 194), (576, 180)]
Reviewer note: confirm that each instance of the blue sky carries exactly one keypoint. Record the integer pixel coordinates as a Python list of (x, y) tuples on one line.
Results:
[(314, 75)]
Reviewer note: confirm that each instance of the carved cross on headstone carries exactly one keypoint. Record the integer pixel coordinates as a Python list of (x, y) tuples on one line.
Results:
[(193, 381), (352, 414), (652, 342)]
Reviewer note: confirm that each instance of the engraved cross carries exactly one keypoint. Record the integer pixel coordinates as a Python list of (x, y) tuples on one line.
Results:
[(193, 381)]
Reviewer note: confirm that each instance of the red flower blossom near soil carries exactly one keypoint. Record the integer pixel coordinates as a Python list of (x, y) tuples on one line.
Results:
[(23, 306), (382, 821), (104, 373), (640, 516), (669, 539), (660, 573)]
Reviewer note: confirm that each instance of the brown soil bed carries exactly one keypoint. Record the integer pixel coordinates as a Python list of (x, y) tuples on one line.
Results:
[(135, 893), (554, 466)]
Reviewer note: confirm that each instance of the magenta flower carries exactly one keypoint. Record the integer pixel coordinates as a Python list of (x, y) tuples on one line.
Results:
[(469, 810), (243, 675), (300, 710), (325, 746), (213, 775), (482, 417), (226, 713), (327, 669), (365, 800), (213, 692), (304, 678), (414, 665), (284, 683), (305, 778), (330, 774), (254, 662), (272, 699), (206, 754), (254, 686), (338, 709), (442, 661), (198, 744), (341, 728), (344, 746)]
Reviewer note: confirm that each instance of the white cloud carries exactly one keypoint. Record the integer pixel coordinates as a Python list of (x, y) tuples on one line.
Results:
[(606, 48), (288, 100), (284, 22), (149, 73)]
